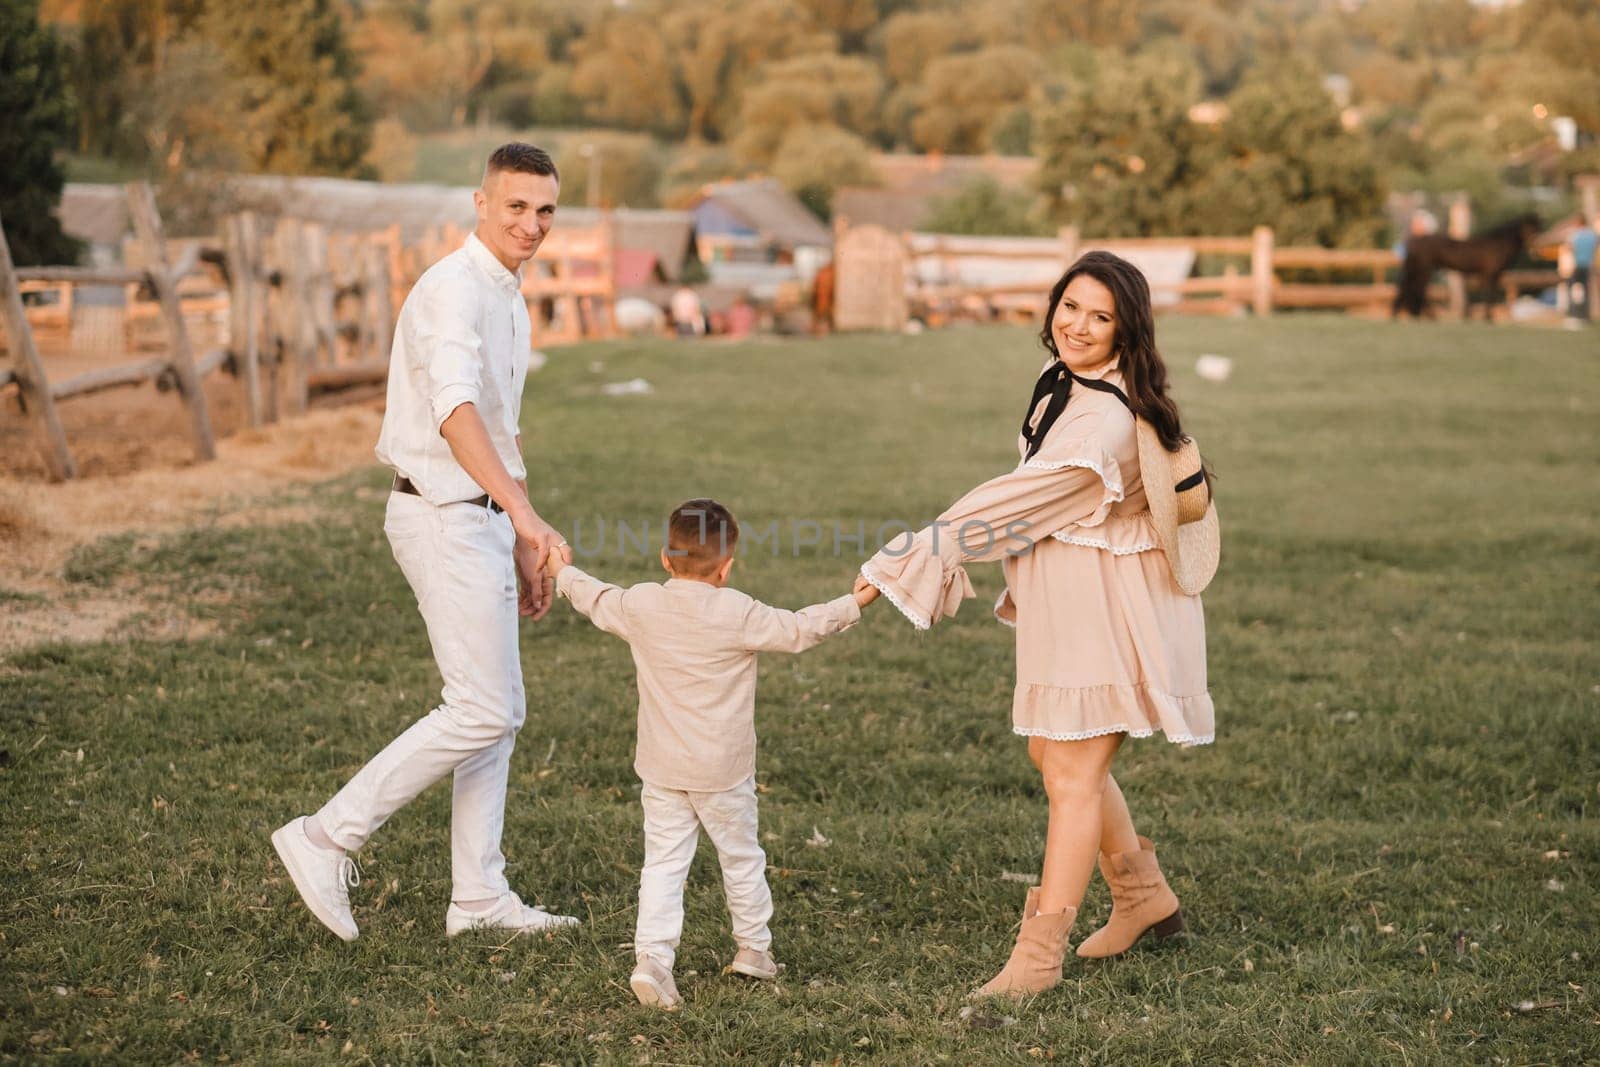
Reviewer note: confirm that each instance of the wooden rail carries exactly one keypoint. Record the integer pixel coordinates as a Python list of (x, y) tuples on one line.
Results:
[(306, 309), (1257, 275), (29, 373), (280, 299)]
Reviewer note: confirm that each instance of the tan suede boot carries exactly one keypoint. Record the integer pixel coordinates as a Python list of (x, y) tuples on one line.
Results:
[(1141, 903), (1035, 963)]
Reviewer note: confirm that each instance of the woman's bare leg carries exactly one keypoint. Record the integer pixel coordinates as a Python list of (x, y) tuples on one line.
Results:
[(1075, 775), (1116, 823), (1036, 752)]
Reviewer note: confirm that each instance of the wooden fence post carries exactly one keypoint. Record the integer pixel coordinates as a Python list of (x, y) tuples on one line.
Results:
[(269, 300), (29, 372), (1261, 276), (320, 295), (244, 339), (379, 310), (147, 224), (295, 326), (1070, 240)]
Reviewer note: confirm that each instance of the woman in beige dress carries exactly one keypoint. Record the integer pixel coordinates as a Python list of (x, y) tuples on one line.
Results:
[(1102, 570)]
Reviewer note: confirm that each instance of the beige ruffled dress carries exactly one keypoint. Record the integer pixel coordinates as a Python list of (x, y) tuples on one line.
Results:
[(1106, 643)]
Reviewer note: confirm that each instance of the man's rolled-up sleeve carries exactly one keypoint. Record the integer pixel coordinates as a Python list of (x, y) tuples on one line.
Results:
[(449, 350)]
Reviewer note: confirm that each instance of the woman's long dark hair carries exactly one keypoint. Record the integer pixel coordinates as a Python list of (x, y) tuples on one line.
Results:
[(1134, 345)]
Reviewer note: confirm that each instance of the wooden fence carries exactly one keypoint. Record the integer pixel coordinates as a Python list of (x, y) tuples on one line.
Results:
[(277, 292), (305, 310), (952, 278)]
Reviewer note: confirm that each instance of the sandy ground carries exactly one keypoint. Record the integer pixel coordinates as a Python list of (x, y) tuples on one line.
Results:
[(138, 475)]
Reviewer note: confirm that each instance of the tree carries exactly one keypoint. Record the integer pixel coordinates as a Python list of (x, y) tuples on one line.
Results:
[(962, 97), (1220, 42), (442, 61), (983, 207), (814, 162), (625, 70), (848, 20), (913, 39), (1049, 24), (1287, 162), (1383, 79), (1119, 154), (1121, 157), (291, 90), (814, 90), (189, 142), (682, 67), (117, 48), (1564, 35), (36, 120), (628, 164)]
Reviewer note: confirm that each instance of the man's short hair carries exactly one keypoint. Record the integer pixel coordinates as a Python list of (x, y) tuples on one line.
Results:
[(522, 158), (701, 534)]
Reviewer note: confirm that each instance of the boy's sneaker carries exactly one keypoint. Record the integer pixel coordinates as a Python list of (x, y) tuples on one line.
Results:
[(508, 913), (652, 983), (755, 963), (322, 876)]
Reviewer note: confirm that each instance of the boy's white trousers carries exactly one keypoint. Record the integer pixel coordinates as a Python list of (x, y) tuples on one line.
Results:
[(458, 561), (673, 819)]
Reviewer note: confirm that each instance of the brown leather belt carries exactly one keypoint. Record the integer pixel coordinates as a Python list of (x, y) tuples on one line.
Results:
[(403, 485)]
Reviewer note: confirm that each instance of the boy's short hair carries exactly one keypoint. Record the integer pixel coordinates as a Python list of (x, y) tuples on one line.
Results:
[(701, 533), (522, 158)]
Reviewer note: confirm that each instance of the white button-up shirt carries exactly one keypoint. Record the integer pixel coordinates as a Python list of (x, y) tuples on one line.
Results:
[(462, 338)]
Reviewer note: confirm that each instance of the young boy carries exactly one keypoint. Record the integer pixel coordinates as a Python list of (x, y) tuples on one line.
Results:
[(694, 644)]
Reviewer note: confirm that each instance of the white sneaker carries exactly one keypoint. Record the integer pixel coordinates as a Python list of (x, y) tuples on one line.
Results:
[(755, 963), (508, 913), (652, 983), (321, 876)]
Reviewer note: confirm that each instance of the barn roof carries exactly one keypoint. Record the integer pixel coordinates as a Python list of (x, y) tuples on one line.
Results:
[(766, 207)]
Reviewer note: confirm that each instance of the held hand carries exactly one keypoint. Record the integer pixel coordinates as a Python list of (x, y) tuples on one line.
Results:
[(557, 556), (533, 597), (539, 545), (865, 592)]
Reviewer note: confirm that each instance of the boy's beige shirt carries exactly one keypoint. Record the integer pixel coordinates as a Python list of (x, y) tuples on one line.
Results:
[(694, 646)]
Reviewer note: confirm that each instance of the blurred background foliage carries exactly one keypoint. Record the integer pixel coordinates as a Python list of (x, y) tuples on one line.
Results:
[(1146, 116)]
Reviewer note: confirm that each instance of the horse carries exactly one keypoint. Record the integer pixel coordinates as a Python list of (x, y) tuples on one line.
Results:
[(1485, 257)]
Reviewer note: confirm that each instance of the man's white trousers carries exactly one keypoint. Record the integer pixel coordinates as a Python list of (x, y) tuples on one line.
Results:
[(458, 561)]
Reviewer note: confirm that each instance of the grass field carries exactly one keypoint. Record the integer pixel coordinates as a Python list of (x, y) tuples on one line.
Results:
[(1388, 855)]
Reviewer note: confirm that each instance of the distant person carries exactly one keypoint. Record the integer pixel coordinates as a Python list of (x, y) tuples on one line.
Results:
[(1578, 278), (1107, 535), (741, 318), (1420, 224), (474, 551), (696, 752), (822, 293), (688, 316)]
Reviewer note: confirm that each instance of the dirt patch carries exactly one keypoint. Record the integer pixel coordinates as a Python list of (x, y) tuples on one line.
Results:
[(42, 523)]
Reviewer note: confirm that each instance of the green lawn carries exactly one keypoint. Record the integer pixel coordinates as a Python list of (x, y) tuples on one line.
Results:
[(1389, 854)]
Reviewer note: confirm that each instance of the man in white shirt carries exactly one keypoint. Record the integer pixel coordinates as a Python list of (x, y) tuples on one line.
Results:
[(473, 549)]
